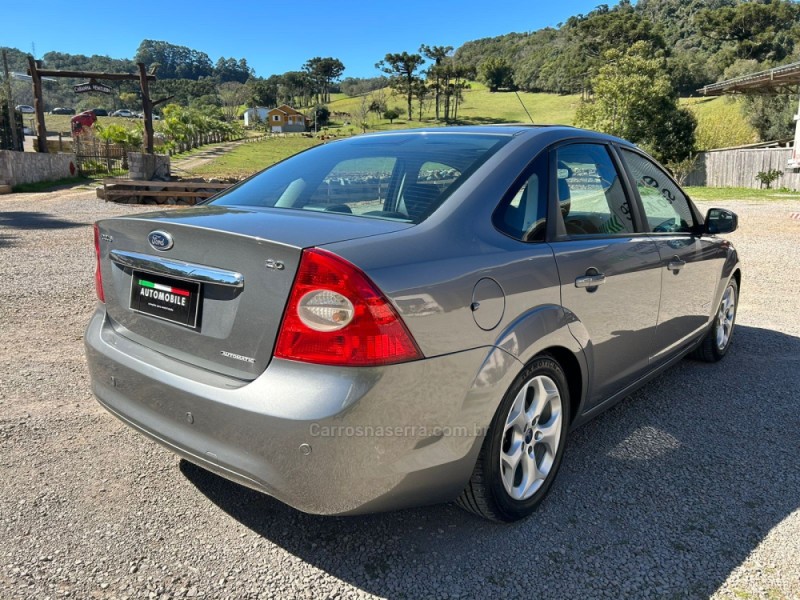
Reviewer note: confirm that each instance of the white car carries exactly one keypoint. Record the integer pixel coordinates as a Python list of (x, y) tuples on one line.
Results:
[(25, 108), (128, 114)]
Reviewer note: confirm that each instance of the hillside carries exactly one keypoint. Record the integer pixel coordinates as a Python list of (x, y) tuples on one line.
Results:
[(721, 122), (695, 42), (479, 105)]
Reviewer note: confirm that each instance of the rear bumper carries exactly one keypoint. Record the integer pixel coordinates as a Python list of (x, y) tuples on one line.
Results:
[(380, 438)]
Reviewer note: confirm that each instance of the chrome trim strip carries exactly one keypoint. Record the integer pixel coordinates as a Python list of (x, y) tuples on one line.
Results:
[(175, 268)]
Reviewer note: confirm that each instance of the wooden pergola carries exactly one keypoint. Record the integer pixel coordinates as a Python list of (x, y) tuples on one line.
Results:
[(36, 72), (780, 80)]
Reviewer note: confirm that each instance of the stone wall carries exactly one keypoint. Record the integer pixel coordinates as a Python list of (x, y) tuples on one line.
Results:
[(32, 167), (148, 167)]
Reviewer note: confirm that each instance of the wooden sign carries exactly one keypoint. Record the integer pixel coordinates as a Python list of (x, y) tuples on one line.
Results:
[(91, 86)]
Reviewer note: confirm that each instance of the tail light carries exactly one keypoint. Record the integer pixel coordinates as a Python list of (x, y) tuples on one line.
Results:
[(98, 275), (337, 316)]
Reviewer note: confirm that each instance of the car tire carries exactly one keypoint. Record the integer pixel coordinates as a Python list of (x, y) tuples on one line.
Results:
[(501, 489), (717, 341)]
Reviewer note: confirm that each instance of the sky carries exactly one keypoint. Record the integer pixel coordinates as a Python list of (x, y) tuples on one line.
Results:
[(275, 37)]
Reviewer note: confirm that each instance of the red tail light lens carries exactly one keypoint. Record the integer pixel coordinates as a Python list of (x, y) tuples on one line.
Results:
[(336, 316), (98, 276)]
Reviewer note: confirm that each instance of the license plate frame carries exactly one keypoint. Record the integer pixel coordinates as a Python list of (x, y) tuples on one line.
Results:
[(170, 299)]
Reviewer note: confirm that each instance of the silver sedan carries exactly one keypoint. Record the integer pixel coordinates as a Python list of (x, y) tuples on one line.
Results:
[(409, 317)]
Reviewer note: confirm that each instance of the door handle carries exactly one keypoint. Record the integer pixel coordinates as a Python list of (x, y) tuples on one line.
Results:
[(590, 281), (676, 264)]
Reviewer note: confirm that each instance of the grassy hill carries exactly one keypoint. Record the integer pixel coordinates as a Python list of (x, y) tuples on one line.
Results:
[(479, 106), (721, 123)]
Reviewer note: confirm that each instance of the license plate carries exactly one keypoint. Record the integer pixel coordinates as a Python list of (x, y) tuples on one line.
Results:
[(166, 298)]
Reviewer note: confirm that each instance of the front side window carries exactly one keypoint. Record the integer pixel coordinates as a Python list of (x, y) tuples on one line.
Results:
[(393, 176), (665, 207), (590, 192)]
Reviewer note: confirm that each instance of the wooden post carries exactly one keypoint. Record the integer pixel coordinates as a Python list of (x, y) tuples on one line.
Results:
[(38, 104), (12, 112), (147, 106)]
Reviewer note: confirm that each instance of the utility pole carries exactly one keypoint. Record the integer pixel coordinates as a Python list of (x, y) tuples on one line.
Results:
[(12, 112)]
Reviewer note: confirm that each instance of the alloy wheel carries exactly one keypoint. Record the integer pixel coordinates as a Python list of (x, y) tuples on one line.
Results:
[(531, 437), (725, 316)]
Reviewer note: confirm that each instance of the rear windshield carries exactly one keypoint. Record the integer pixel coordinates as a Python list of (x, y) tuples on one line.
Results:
[(398, 176)]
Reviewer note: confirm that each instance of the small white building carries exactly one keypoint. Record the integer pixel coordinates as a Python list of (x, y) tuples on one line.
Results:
[(254, 116)]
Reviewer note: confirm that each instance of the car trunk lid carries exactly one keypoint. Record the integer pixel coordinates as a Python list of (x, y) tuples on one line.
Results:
[(208, 285)]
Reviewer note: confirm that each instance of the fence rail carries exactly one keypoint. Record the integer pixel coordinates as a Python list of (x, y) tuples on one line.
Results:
[(96, 157)]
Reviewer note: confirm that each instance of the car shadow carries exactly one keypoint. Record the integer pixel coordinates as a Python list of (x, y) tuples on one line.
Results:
[(7, 240), (35, 220), (665, 494)]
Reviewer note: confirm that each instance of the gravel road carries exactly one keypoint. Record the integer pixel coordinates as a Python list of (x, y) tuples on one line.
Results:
[(689, 488)]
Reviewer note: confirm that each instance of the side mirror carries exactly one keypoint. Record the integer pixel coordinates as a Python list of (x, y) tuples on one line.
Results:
[(721, 220)]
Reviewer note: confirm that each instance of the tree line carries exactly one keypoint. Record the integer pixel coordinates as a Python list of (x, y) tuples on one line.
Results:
[(687, 43)]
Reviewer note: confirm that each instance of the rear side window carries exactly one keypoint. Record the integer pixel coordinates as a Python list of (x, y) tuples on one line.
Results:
[(523, 212), (590, 192), (665, 207), (395, 176)]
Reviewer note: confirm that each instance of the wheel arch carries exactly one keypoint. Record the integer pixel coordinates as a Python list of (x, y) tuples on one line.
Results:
[(549, 330), (737, 275), (572, 371)]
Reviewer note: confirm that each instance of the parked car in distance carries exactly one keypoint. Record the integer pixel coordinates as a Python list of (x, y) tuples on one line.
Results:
[(62, 111), (124, 112), (409, 317), (25, 109), (99, 112), (141, 116)]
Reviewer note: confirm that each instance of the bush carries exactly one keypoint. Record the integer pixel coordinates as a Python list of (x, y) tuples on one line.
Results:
[(767, 177)]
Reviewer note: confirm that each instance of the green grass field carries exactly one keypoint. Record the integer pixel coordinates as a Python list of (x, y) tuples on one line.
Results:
[(247, 159), (712, 194), (479, 106)]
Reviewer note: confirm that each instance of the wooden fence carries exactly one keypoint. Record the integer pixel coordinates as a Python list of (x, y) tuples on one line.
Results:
[(98, 157), (738, 168)]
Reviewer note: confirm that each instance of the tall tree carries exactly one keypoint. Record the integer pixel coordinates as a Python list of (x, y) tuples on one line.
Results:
[(453, 78), (437, 54), (634, 99), (759, 30), (402, 69), (174, 62), (229, 69), (421, 93), (323, 72), (264, 92), (232, 95), (496, 73)]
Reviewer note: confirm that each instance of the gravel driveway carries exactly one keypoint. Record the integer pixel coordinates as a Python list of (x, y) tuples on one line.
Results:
[(689, 488)]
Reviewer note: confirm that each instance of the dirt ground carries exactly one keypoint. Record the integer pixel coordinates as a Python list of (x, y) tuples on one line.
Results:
[(690, 488)]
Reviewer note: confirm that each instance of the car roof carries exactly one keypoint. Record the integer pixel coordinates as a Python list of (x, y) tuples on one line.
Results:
[(511, 129)]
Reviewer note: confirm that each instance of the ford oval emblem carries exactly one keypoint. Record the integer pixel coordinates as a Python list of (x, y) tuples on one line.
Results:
[(160, 240)]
